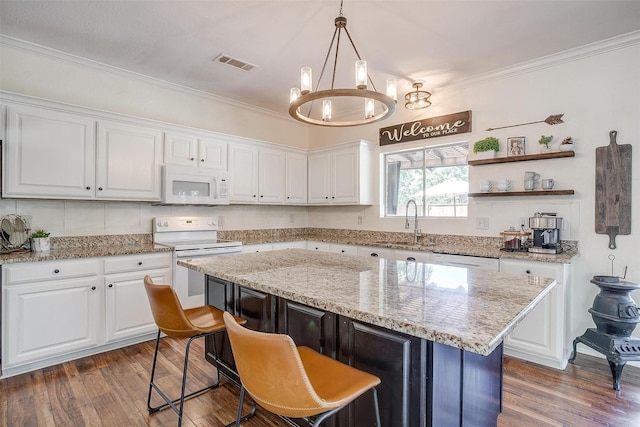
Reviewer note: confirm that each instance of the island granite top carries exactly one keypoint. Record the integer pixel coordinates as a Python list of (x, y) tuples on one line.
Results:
[(465, 308)]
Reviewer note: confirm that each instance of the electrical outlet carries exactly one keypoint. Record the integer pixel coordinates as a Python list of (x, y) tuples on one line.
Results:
[(359, 219), (292, 218), (220, 220), (482, 223)]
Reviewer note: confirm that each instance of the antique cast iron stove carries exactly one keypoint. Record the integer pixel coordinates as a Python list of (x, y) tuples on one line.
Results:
[(616, 316)]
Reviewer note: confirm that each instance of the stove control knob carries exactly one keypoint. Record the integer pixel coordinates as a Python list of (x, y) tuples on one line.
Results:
[(159, 224), (166, 224)]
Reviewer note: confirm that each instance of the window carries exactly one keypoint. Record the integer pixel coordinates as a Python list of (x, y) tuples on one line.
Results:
[(436, 178)]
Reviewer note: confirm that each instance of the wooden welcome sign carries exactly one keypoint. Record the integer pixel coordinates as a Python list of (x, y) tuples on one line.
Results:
[(429, 128)]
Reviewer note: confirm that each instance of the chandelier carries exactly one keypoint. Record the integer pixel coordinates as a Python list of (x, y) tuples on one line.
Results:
[(376, 105), (417, 99)]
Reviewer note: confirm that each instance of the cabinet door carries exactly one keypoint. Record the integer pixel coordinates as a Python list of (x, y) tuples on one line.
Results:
[(397, 360), (344, 249), (212, 153), (48, 154), (258, 308), (345, 176), (220, 294), (308, 326), (243, 174), (271, 172), (180, 149), (296, 179), (127, 310), (318, 179), (540, 336), (129, 162), (49, 319)]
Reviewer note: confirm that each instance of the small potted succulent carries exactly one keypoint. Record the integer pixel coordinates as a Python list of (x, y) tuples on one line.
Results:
[(544, 142), (40, 240), (566, 144), (486, 148)]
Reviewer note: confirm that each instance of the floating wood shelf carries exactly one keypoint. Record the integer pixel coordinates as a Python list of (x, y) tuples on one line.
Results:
[(526, 157), (524, 193)]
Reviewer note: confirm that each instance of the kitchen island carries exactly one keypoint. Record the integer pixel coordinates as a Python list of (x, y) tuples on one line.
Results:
[(432, 333)]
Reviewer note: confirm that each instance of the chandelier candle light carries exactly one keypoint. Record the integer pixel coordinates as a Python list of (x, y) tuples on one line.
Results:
[(299, 97)]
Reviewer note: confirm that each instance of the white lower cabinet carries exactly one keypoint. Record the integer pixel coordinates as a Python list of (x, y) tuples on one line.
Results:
[(540, 337), (127, 310), (45, 319), (55, 311), (258, 247), (300, 244), (332, 247)]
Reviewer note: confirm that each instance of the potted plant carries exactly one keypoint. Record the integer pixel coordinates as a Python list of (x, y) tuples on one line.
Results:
[(544, 141), (566, 144), (40, 240), (487, 147)]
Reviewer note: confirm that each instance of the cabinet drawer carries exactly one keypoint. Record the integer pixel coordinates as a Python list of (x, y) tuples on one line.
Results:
[(137, 262), (532, 268), (49, 270)]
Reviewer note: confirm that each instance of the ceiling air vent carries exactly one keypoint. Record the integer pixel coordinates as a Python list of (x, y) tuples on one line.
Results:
[(234, 62)]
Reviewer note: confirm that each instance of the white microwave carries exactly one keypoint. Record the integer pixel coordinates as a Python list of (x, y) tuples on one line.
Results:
[(192, 186)]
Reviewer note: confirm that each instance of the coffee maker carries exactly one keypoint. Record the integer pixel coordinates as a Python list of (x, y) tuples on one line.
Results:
[(546, 233)]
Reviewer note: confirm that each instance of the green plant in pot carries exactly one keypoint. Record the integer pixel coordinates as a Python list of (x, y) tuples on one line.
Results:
[(40, 240), (488, 146), (544, 142)]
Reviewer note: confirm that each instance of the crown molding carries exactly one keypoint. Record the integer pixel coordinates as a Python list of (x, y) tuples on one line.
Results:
[(121, 72), (570, 55)]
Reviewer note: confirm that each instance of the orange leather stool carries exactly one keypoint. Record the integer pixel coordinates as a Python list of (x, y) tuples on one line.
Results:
[(177, 322), (292, 381)]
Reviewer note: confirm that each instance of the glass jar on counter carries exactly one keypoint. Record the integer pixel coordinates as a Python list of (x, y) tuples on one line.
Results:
[(515, 240)]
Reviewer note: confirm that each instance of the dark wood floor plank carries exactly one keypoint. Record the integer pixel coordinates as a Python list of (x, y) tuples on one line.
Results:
[(110, 389)]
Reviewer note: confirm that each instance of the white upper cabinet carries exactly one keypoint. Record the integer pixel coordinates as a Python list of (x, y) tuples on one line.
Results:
[(48, 153), (198, 151), (128, 163), (341, 175), (56, 151), (296, 179), (256, 174)]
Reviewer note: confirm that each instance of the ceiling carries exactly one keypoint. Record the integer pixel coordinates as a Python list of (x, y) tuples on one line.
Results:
[(440, 42)]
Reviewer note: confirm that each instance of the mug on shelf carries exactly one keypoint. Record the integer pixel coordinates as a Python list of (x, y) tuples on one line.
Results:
[(530, 184), (485, 185), (531, 176), (504, 184), (547, 184)]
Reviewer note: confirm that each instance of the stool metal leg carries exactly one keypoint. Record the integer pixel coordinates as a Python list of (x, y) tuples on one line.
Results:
[(239, 416), (172, 402)]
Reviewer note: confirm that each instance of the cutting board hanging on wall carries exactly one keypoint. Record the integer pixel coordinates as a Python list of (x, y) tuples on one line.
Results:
[(613, 189)]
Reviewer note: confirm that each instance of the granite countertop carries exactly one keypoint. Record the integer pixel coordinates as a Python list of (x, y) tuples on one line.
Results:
[(465, 308), (457, 245), (88, 246)]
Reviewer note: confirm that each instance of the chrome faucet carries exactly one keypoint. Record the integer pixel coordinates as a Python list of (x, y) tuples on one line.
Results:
[(416, 232)]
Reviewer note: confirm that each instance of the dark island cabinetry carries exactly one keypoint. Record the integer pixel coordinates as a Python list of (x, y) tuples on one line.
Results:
[(423, 383)]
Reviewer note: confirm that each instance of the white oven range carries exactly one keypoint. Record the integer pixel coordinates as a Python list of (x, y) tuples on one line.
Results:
[(191, 237)]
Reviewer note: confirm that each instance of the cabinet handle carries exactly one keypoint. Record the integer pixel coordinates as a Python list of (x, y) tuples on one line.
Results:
[(139, 262), (410, 258), (192, 159), (374, 254), (202, 160), (333, 197), (261, 196), (254, 195), (528, 271), (99, 188), (342, 251), (93, 288), (88, 188), (288, 197), (326, 197), (111, 285), (56, 271)]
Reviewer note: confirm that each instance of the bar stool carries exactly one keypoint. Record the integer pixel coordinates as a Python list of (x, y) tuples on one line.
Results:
[(292, 381), (177, 322)]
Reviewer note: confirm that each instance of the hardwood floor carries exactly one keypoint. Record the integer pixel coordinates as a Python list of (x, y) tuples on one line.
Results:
[(110, 389)]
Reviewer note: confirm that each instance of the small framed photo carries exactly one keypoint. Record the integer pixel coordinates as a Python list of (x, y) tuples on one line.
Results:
[(515, 146)]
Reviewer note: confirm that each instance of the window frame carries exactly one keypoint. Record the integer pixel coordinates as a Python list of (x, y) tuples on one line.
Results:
[(383, 179)]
